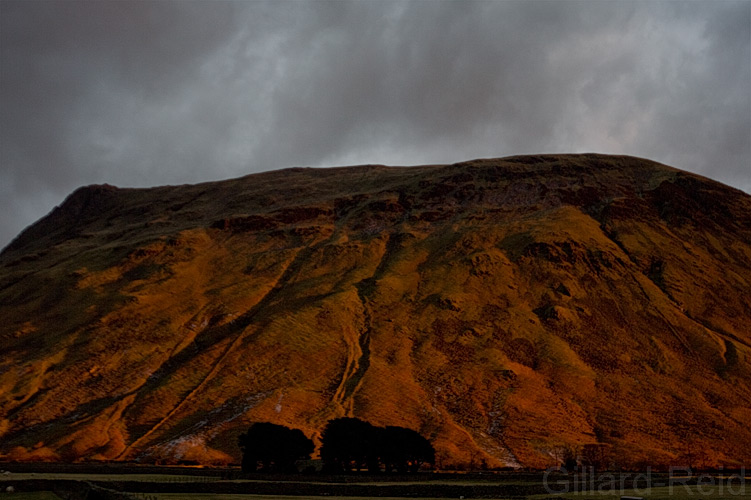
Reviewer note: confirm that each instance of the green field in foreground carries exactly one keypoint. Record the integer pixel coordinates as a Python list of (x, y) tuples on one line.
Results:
[(145, 478), (197, 496), (678, 492), (34, 495)]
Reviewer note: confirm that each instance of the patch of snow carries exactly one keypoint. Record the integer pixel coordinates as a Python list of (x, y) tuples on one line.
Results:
[(205, 430), (278, 405), (495, 448)]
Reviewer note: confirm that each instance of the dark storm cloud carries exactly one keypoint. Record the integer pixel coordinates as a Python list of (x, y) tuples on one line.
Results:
[(143, 93)]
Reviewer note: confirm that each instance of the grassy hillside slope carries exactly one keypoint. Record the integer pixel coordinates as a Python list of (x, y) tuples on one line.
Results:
[(503, 307)]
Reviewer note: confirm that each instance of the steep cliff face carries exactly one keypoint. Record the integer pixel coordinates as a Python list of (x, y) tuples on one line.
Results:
[(502, 307)]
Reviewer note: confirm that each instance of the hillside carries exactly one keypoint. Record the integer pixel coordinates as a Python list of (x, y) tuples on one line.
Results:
[(501, 307)]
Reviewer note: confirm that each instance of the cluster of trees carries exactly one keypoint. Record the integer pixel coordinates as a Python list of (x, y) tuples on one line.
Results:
[(273, 447), (571, 457), (351, 444), (346, 444)]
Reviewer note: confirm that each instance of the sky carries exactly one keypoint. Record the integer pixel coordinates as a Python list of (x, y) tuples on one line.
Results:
[(145, 93)]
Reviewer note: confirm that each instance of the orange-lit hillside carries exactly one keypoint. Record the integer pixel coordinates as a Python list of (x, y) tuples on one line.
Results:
[(503, 308)]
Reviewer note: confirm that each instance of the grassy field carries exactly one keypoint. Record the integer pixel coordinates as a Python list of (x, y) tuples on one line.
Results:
[(194, 487), (678, 492), (33, 495), (196, 496), (146, 478), (661, 493)]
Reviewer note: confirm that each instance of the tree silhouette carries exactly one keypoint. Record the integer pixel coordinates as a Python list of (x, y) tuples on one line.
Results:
[(275, 447), (404, 449), (596, 455), (349, 443), (352, 444)]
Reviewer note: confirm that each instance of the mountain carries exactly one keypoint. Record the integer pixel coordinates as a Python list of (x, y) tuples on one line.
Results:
[(504, 308)]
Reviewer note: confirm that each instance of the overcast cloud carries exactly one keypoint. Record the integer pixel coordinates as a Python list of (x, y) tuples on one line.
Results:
[(143, 93)]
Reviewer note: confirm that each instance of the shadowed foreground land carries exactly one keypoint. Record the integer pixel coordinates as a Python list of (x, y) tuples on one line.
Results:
[(532, 486)]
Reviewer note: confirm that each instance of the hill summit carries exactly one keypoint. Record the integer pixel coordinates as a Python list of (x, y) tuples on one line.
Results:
[(507, 309)]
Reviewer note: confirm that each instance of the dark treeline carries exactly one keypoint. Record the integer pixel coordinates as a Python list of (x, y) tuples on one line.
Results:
[(351, 444), (273, 447), (347, 444)]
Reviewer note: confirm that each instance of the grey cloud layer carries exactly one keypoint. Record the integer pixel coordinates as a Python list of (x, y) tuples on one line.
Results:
[(146, 93)]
